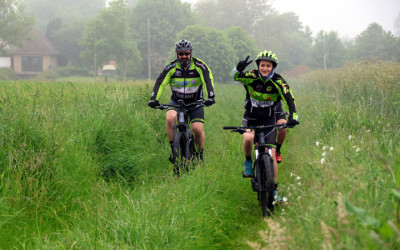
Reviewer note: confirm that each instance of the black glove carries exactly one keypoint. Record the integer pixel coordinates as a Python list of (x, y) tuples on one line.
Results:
[(292, 123), (153, 103), (209, 102), (243, 64)]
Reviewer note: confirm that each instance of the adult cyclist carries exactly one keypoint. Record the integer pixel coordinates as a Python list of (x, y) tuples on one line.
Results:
[(265, 89), (186, 76)]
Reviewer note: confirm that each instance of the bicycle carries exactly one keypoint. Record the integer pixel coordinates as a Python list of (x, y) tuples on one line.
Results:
[(262, 181), (184, 149)]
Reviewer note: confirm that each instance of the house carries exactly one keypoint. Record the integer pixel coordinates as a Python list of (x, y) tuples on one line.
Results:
[(34, 56)]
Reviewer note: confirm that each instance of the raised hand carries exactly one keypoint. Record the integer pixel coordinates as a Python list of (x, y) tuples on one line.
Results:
[(243, 64)]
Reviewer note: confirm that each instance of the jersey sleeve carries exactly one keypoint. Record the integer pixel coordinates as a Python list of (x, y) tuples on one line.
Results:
[(162, 81), (287, 97), (206, 77)]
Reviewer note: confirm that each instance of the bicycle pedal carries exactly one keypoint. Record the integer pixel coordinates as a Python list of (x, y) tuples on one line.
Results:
[(246, 176)]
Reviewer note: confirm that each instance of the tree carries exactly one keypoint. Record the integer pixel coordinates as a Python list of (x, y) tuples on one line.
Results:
[(68, 11), (14, 24), (397, 25), (65, 39), (242, 43), (108, 37), (328, 50), (285, 35), (213, 47), (164, 19), (376, 42), (222, 14)]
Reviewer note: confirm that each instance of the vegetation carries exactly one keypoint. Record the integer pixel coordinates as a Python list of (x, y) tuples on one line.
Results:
[(84, 165), (14, 25), (140, 35)]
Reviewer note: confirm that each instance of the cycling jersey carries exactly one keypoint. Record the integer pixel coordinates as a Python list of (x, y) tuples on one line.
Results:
[(185, 84), (262, 95)]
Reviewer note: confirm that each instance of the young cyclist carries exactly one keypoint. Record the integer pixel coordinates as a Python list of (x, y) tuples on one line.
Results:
[(186, 75), (265, 89)]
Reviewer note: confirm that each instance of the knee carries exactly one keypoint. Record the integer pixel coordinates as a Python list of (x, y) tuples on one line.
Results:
[(197, 130)]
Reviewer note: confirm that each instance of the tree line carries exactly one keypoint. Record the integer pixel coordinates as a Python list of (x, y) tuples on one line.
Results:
[(140, 34)]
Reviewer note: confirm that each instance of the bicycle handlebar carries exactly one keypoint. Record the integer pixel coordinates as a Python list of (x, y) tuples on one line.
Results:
[(240, 129)]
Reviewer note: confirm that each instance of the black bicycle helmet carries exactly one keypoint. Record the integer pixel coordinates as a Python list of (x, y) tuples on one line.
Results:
[(267, 56), (183, 45)]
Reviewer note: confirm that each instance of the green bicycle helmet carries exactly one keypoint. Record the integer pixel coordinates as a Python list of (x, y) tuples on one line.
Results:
[(267, 56)]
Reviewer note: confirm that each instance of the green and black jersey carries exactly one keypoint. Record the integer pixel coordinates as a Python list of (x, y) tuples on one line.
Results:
[(185, 84), (263, 94)]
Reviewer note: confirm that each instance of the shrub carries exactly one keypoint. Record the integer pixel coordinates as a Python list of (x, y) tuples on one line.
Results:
[(7, 74)]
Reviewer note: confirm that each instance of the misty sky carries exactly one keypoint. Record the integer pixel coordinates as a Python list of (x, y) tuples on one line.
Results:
[(348, 17)]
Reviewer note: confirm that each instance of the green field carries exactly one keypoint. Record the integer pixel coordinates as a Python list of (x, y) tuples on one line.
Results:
[(85, 165)]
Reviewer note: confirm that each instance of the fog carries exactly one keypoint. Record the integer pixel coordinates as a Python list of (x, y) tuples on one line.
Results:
[(137, 39), (348, 17)]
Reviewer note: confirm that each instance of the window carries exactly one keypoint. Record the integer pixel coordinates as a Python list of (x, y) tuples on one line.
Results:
[(32, 63)]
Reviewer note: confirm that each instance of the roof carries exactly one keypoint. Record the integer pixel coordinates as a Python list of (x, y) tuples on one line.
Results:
[(37, 45)]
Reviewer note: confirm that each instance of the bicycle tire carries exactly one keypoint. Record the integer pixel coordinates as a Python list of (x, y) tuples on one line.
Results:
[(261, 191), (179, 152), (268, 184), (192, 148)]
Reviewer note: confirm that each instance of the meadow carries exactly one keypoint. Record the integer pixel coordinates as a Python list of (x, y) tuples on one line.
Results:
[(84, 165)]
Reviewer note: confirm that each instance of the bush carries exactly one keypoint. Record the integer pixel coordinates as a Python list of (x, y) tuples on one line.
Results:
[(7, 74), (70, 71)]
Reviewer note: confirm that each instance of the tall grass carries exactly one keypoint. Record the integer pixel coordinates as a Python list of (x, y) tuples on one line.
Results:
[(84, 165)]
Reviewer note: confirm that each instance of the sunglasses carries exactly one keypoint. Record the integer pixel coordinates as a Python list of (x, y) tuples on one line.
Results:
[(184, 54)]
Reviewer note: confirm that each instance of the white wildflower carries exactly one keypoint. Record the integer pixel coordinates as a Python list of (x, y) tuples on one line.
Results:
[(284, 199), (298, 178), (331, 149), (323, 154), (324, 148), (299, 183), (316, 143), (291, 174), (349, 137), (322, 160), (358, 150)]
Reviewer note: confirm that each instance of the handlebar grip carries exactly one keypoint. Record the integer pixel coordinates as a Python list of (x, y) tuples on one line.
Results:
[(230, 127)]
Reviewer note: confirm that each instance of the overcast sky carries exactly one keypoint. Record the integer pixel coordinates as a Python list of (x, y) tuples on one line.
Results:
[(348, 17)]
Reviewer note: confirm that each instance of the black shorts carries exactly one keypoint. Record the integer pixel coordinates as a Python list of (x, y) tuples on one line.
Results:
[(195, 115), (270, 135)]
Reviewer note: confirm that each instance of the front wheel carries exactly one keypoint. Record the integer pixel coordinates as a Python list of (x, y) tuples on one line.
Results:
[(269, 182), (179, 152), (265, 177)]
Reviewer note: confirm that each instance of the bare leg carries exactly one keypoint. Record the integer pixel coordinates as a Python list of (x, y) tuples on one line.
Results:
[(282, 132), (170, 120), (199, 136), (248, 138), (275, 165)]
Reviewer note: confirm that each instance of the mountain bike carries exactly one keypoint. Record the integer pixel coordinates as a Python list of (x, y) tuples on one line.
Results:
[(184, 149), (262, 181)]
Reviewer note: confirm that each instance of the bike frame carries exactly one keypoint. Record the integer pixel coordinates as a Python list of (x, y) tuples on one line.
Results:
[(263, 180), (182, 129)]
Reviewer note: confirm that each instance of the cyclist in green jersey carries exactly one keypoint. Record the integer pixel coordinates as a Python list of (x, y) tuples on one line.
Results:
[(265, 89), (186, 76)]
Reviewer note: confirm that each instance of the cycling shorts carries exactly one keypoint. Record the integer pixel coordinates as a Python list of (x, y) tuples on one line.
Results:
[(195, 114), (278, 108), (270, 135)]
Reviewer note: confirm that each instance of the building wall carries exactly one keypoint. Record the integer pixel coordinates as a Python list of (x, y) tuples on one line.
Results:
[(5, 62), (17, 64), (49, 62)]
